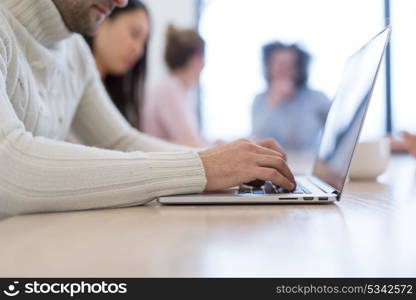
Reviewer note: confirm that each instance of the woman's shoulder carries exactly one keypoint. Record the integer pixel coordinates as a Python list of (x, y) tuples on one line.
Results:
[(165, 89), (259, 99), (313, 95)]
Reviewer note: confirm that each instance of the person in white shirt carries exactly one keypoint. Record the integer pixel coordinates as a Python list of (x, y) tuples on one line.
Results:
[(49, 84)]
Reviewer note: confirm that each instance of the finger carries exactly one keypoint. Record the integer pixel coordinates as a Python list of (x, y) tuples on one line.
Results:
[(397, 145), (255, 183), (273, 145), (271, 174), (276, 163), (407, 136), (267, 151)]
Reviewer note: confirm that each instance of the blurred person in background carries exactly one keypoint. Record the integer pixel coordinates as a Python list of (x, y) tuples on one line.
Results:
[(406, 143), (170, 110), (288, 111), (120, 52)]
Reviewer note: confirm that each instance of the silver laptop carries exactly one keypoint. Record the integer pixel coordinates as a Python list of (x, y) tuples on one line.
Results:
[(339, 138)]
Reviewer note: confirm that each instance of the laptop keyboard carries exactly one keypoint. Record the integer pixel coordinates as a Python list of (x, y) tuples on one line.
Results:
[(270, 189)]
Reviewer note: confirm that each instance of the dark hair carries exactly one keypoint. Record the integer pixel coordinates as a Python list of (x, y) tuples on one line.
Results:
[(302, 65), (181, 46), (127, 90)]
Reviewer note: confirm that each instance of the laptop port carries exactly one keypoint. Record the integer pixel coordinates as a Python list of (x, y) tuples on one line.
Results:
[(323, 198), (307, 198)]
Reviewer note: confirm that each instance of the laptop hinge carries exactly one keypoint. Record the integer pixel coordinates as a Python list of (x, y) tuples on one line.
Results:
[(326, 188), (338, 195)]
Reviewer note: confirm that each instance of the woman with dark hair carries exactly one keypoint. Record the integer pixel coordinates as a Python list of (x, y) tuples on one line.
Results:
[(169, 111), (120, 52), (288, 110)]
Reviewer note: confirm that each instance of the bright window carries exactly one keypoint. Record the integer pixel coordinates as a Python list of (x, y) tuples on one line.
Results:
[(403, 14), (235, 31)]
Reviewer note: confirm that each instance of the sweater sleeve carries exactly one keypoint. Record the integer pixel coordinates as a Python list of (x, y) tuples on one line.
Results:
[(42, 175)]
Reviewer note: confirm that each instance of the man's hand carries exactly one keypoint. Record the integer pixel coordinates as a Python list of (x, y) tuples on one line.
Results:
[(242, 161)]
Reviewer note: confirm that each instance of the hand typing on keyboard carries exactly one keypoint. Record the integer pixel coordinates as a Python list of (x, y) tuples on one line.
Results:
[(269, 188), (242, 161), (256, 183)]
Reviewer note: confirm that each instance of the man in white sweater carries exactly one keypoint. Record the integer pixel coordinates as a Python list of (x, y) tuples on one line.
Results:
[(49, 85)]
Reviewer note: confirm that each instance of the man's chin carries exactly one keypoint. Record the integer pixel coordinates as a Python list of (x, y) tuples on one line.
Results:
[(92, 29), (95, 21)]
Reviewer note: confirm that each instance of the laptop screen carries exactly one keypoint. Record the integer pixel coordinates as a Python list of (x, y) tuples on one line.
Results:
[(347, 113)]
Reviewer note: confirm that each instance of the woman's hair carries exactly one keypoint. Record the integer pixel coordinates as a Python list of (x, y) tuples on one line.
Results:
[(181, 46), (302, 61), (127, 90)]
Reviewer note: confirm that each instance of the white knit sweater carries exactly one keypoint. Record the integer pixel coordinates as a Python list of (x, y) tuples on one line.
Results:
[(48, 85)]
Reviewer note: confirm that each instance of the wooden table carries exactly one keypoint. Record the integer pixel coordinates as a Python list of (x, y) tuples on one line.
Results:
[(371, 232)]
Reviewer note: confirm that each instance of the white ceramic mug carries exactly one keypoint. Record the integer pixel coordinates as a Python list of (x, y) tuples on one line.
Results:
[(370, 159)]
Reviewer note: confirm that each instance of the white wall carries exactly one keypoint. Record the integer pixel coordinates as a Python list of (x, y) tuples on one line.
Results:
[(181, 13)]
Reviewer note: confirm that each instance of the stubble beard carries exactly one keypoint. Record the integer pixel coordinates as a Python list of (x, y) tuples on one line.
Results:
[(77, 17)]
